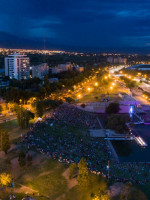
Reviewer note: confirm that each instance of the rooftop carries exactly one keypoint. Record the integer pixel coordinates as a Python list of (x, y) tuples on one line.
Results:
[(140, 66)]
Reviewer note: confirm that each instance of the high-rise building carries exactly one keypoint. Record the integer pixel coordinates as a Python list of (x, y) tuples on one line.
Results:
[(116, 60), (40, 71), (62, 68), (17, 66)]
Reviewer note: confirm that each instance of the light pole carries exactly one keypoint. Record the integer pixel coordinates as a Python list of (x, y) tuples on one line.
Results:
[(108, 166)]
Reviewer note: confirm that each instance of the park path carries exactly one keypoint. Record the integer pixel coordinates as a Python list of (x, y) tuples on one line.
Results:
[(100, 123), (71, 182), (113, 151), (25, 189), (15, 168), (110, 144), (7, 120)]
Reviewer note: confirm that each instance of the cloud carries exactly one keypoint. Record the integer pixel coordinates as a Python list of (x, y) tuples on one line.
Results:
[(97, 23)]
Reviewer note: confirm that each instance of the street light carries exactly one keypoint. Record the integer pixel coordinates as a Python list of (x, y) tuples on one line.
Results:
[(108, 167), (96, 84)]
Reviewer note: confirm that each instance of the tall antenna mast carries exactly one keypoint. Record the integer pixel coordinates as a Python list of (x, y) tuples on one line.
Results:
[(44, 49), (44, 42)]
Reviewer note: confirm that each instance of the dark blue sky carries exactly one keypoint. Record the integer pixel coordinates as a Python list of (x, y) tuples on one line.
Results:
[(98, 25)]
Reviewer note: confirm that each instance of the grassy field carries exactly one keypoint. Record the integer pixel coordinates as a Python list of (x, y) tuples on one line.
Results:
[(145, 189), (43, 178), (98, 97), (46, 179), (103, 91), (14, 130)]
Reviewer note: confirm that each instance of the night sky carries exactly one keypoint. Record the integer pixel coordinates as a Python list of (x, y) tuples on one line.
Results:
[(92, 25)]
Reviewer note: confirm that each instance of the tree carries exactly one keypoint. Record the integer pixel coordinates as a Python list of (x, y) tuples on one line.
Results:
[(49, 104), (101, 197), (96, 97), (47, 85), (5, 143), (28, 115), (83, 105), (21, 159), (43, 92), (5, 179), (83, 175), (39, 109), (117, 123), (69, 100), (112, 108), (1, 109), (23, 116), (72, 169), (129, 83)]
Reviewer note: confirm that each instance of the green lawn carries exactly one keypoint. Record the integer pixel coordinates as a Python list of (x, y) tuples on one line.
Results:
[(101, 95), (145, 189), (4, 195), (13, 129), (46, 178)]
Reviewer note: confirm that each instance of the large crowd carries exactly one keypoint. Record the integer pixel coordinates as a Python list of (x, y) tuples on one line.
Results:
[(71, 115), (61, 143), (134, 172), (56, 138)]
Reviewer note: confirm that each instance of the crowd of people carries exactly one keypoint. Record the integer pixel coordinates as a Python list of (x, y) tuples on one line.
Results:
[(56, 138), (65, 145), (71, 115), (134, 172), (28, 198)]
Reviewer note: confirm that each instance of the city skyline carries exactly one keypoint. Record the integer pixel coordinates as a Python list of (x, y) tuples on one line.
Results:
[(76, 25)]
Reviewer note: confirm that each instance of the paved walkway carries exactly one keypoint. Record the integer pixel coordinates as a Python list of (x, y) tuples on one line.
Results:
[(97, 133), (99, 122), (113, 151)]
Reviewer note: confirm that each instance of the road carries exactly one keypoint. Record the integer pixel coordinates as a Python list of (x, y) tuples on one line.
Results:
[(7, 118), (143, 85)]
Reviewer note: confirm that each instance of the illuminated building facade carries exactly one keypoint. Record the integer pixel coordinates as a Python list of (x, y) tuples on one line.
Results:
[(40, 71), (17, 66)]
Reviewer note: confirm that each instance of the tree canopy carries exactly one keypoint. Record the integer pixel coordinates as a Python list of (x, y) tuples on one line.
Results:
[(4, 139), (5, 179), (23, 116), (83, 175), (112, 108), (117, 123)]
